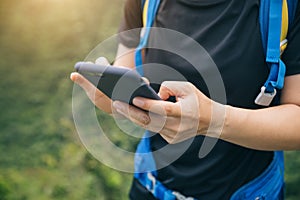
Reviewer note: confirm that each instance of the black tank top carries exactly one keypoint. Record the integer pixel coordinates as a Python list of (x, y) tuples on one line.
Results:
[(229, 31)]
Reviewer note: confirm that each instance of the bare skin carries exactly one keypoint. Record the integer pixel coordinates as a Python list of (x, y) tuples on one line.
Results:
[(274, 128)]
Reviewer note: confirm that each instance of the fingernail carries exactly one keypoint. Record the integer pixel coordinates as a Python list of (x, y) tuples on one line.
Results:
[(138, 102), (72, 76), (118, 106), (121, 112), (102, 61)]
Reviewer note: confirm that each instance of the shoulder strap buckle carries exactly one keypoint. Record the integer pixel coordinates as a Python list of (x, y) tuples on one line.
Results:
[(180, 196), (151, 186), (283, 45), (264, 98)]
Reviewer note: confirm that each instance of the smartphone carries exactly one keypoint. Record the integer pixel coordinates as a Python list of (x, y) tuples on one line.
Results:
[(118, 83)]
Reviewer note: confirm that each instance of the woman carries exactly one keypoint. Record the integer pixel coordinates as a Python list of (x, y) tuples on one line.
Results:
[(229, 31)]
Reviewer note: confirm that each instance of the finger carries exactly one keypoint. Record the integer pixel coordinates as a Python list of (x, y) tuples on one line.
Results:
[(150, 121), (81, 81), (165, 93), (183, 127), (136, 115), (178, 89), (89, 88), (102, 61), (158, 107), (96, 96), (146, 80)]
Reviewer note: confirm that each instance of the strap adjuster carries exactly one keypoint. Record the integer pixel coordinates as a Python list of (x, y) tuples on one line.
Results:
[(264, 98), (283, 45), (180, 196), (151, 186), (143, 32)]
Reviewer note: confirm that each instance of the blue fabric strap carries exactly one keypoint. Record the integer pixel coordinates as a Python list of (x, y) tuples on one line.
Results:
[(144, 161), (270, 25), (268, 185), (145, 32), (274, 31), (263, 21), (158, 190), (145, 172), (270, 22), (270, 15)]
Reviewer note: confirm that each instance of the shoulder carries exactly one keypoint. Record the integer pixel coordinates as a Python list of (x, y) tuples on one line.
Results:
[(133, 6), (132, 20), (132, 14)]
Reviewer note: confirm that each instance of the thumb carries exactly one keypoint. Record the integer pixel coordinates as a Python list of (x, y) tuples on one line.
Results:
[(179, 89), (146, 80), (102, 61)]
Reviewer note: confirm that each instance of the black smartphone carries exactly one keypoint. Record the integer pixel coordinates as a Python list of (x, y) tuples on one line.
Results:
[(118, 83)]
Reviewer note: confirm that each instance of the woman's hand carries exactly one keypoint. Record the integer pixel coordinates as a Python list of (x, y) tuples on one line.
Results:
[(96, 96), (190, 115)]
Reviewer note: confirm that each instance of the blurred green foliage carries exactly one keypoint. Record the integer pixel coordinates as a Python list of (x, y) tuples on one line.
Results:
[(41, 156)]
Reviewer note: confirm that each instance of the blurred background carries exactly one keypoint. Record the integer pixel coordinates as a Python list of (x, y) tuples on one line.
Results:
[(41, 156)]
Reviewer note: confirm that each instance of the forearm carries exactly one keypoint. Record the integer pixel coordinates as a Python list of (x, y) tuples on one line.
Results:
[(124, 57), (274, 128)]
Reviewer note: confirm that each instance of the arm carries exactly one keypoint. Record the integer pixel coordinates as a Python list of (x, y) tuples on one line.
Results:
[(125, 57), (270, 128), (275, 128)]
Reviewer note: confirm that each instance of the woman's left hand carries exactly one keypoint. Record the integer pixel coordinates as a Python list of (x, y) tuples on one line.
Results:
[(190, 115)]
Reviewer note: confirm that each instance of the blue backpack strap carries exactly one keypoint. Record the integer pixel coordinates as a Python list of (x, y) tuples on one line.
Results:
[(270, 23), (270, 19), (150, 8), (144, 162)]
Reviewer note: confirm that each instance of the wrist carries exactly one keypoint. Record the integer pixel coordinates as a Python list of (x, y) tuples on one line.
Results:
[(227, 122), (235, 123), (213, 122)]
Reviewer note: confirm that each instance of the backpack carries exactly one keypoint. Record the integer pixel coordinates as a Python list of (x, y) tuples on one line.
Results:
[(275, 16)]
